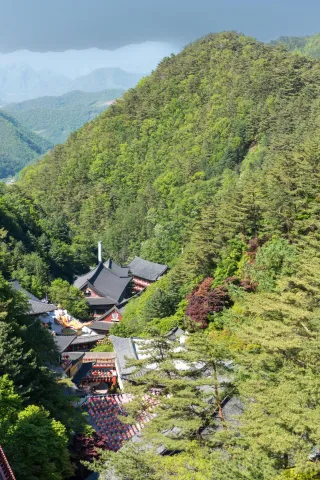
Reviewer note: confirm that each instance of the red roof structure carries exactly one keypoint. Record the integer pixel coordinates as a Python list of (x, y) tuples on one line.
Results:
[(5, 470)]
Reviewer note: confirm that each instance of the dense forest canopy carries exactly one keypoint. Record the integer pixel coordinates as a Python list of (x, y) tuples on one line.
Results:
[(139, 176), (36, 417), (18, 145), (309, 45), (33, 249), (54, 118), (212, 165)]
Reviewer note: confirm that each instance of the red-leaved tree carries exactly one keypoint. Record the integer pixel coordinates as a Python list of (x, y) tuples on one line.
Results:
[(205, 300)]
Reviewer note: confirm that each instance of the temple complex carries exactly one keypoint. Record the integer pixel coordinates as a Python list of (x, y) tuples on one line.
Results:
[(109, 286)]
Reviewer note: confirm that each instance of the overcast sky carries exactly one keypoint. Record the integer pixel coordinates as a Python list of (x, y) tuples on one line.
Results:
[(57, 25)]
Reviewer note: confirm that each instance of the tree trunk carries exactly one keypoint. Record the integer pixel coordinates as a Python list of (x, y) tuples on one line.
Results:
[(217, 396)]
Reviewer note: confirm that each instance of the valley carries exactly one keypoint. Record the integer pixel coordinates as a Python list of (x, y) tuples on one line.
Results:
[(55, 118)]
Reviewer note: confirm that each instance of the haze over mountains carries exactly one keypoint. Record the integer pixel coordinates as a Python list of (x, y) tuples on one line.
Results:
[(25, 75), (20, 82), (60, 91)]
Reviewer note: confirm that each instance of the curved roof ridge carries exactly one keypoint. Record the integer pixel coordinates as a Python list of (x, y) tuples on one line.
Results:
[(81, 280), (145, 269)]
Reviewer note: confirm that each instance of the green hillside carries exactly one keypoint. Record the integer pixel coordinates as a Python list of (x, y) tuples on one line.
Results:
[(309, 45), (211, 164), (32, 249), (18, 145), (54, 118), (144, 169)]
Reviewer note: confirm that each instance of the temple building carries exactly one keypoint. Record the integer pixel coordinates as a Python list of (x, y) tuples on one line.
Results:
[(107, 285), (77, 343), (37, 307), (144, 272)]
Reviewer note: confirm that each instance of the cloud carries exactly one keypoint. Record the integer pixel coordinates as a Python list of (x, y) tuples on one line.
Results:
[(57, 25), (140, 58)]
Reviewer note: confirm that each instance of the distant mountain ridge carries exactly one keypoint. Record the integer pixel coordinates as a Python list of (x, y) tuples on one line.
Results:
[(54, 118), (104, 78), (18, 146), (20, 82)]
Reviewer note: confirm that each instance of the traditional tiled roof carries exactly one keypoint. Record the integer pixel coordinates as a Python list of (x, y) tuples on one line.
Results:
[(94, 356), (119, 309), (63, 341), (124, 349), (16, 285), (120, 271), (74, 357), (96, 301), (37, 307), (105, 282), (101, 325), (83, 339), (146, 270), (82, 279)]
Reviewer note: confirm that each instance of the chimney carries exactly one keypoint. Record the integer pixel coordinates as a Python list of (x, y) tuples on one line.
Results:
[(100, 252)]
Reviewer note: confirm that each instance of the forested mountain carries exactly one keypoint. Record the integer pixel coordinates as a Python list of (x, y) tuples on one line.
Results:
[(103, 78), (145, 168), (32, 248), (18, 145), (54, 118), (211, 164), (309, 45)]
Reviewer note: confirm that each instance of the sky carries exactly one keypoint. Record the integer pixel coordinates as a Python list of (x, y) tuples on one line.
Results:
[(57, 25), (74, 37), (137, 58)]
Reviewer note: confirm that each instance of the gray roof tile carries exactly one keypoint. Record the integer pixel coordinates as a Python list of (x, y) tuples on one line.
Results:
[(174, 333), (82, 279), (63, 341), (100, 325), (96, 301), (146, 270), (37, 307), (117, 269), (16, 285), (124, 348), (82, 339), (106, 282), (75, 356)]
